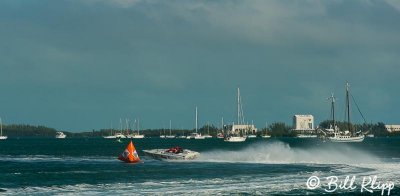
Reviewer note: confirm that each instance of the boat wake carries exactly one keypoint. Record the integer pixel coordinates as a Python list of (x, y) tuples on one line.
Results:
[(51, 158), (281, 153)]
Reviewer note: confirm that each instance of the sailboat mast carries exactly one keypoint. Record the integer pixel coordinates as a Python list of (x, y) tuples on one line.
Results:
[(222, 124), (348, 106), (127, 126), (120, 125), (333, 110), (266, 125), (170, 127), (111, 130), (1, 127), (238, 105), (138, 125), (196, 119)]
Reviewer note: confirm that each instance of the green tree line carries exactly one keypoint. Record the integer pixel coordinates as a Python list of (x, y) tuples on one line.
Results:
[(276, 129)]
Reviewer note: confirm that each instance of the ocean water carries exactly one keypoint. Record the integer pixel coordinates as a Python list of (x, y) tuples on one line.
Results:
[(275, 166)]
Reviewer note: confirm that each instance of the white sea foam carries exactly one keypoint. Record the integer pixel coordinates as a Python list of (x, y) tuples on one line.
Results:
[(254, 184), (279, 152), (259, 185), (48, 158)]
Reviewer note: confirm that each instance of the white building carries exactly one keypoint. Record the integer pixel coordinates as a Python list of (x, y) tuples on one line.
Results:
[(303, 122), (392, 128), (245, 129)]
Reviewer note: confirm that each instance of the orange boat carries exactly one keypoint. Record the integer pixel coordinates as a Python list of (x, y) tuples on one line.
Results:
[(129, 155)]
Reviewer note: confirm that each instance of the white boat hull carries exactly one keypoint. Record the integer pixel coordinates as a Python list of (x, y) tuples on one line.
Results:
[(347, 138), (162, 154), (306, 136), (196, 136), (235, 139), (266, 136), (117, 135), (137, 136), (3, 137), (251, 136), (60, 135), (109, 137), (170, 136)]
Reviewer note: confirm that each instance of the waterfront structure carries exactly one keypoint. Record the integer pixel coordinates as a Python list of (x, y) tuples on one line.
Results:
[(303, 122), (392, 128)]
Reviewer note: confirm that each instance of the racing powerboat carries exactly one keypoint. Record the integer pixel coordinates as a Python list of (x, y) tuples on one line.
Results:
[(176, 153)]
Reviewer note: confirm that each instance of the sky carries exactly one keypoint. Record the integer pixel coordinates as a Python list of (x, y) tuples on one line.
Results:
[(84, 64)]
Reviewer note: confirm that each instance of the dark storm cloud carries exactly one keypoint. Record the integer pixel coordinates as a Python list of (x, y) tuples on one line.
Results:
[(81, 64)]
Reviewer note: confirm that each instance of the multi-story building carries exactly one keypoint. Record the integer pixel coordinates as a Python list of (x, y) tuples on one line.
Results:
[(303, 124), (392, 128)]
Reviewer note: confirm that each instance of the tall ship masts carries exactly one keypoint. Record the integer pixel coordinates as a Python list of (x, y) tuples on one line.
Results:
[(237, 133), (344, 136)]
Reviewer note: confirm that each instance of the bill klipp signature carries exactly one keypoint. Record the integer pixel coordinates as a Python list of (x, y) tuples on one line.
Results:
[(332, 184)]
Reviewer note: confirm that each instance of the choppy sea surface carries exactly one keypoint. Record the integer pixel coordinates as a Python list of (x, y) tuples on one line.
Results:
[(275, 166)]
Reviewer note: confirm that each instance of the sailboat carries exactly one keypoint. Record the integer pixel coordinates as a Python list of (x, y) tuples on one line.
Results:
[(162, 136), (119, 135), (115, 135), (195, 135), (237, 133), (347, 135), (2, 137), (183, 135), (138, 135), (208, 132), (265, 135), (170, 136), (129, 155), (60, 135), (252, 133), (111, 136), (221, 134)]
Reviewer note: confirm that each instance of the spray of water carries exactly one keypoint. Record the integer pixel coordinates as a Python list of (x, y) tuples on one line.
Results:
[(281, 153)]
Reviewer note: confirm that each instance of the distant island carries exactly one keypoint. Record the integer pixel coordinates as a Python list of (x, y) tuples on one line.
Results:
[(277, 129)]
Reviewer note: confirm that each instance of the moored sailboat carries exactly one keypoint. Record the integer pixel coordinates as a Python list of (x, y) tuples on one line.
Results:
[(111, 136), (347, 135), (221, 134), (266, 135), (196, 135), (137, 135), (237, 133), (119, 135), (60, 135), (170, 136), (2, 137), (208, 132)]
